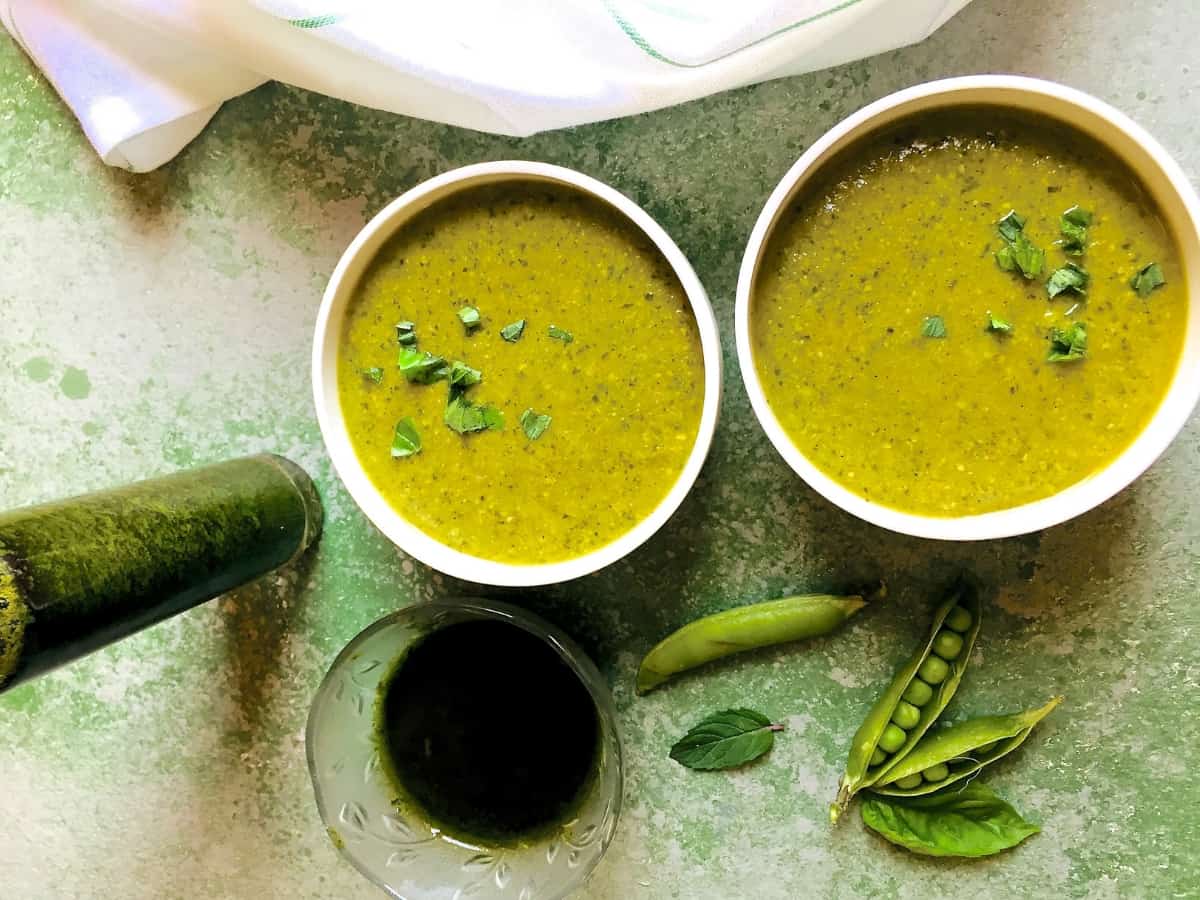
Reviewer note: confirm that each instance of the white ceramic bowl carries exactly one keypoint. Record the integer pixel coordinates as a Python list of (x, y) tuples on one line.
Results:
[(1161, 176), (340, 291)]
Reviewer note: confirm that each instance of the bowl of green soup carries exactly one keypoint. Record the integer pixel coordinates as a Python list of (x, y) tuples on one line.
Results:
[(965, 312), (516, 373)]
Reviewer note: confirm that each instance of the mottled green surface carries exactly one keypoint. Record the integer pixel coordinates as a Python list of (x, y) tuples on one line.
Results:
[(173, 764)]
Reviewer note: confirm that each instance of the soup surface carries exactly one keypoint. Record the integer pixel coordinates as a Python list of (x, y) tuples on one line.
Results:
[(870, 316), (624, 394)]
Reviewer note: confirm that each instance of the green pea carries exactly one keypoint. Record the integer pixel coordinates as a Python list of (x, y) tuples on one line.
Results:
[(878, 757), (934, 670), (986, 748), (906, 715), (918, 693), (892, 739), (940, 772), (909, 782), (947, 644), (958, 619)]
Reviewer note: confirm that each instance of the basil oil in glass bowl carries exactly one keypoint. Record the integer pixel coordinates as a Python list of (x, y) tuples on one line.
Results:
[(466, 747)]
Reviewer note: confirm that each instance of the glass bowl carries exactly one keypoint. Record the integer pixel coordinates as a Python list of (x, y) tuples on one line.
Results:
[(393, 846)]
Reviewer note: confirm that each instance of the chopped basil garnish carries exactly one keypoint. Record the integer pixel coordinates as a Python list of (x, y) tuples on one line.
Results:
[(1147, 279), (1018, 252), (422, 367), (465, 417), (1069, 278), (373, 374), (534, 424), (512, 333), (406, 334), (469, 316), (1074, 227), (997, 325), (463, 376), (1011, 225), (1069, 344), (561, 334), (406, 441), (933, 327)]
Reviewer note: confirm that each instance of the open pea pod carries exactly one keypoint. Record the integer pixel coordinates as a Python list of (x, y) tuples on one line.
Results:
[(868, 761), (954, 753)]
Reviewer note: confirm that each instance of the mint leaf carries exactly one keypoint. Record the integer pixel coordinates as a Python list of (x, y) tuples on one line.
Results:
[(1011, 225), (933, 327), (406, 335), (1068, 345), (422, 367), (469, 316), (373, 374), (1019, 253), (997, 325), (465, 417), (534, 424), (463, 376), (1146, 279), (1074, 227), (726, 739), (1069, 278), (970, 821), (1029, 259), (406, 441), (512, 333), (560, 334)]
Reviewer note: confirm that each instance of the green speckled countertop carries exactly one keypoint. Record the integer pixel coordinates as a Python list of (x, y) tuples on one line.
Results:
[(158, 321)]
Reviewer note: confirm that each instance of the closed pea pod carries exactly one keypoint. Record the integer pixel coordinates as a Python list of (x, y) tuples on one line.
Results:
[(745, 628), (959, 751), (877, 731)]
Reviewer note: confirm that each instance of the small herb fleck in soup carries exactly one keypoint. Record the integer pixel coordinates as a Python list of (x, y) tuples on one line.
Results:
[(917, 219)]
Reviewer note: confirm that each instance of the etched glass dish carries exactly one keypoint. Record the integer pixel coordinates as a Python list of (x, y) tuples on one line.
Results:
[(393, 846)]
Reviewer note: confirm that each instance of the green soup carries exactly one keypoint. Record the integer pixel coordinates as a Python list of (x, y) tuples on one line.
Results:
[(624, 394), (899, 237)]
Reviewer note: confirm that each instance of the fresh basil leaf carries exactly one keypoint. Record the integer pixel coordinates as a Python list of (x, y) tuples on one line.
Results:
[(1074, 227), (560, 334), (1029, 259), (463, 376), (512, 333), (726, 739), (406, 441), (1068, 345), (1069, 278), (465, 417), (406, 334), (1019, 253), (1147, 279), (933, 327), (422, 367), (970, 821), (469, 316), (1011, 225), (998, 325), (534, 424), (373, 374)]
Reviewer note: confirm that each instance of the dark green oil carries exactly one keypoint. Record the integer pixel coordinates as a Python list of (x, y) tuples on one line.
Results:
[(488, 732)]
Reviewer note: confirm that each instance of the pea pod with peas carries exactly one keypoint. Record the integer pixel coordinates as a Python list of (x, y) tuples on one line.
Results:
[(915, 698), (951, 754)]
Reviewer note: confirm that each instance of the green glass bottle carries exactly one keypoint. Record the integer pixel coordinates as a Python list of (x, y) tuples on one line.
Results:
[(78, 574)]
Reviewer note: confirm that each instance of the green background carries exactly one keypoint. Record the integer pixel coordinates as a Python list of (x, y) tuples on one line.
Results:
[(151, 322)]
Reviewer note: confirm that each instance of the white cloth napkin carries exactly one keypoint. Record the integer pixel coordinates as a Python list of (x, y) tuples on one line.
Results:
[(145, 76)]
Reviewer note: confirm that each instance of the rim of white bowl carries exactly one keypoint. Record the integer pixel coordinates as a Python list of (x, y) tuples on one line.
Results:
[(342, 282), (1160, 174)]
